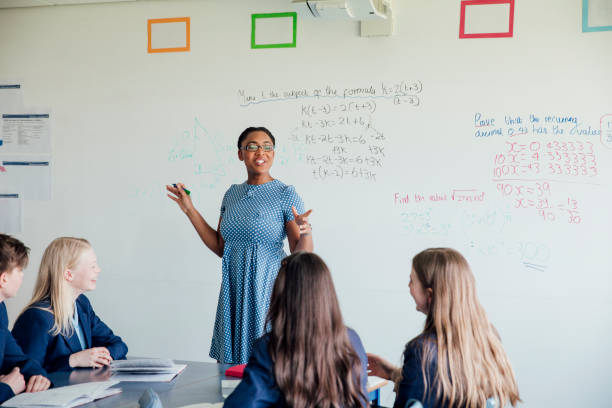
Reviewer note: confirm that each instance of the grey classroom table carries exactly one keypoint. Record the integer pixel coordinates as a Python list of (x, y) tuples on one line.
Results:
[(199, 382)]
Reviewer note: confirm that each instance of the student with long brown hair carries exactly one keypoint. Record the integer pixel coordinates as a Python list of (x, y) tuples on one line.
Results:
[(308, 358), (458, 360)]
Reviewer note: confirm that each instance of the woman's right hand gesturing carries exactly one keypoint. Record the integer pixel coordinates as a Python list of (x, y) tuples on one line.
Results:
[(180, 197)]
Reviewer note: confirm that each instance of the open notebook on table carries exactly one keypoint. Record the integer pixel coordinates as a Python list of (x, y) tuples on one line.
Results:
[(64, 397)]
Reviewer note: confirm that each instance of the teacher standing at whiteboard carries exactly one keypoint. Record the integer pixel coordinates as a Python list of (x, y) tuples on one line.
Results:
[(256, 216)]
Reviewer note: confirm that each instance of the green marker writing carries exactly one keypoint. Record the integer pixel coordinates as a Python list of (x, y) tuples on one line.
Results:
[(185, 190)]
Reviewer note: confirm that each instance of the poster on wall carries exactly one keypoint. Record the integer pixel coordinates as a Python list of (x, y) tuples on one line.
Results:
[(10, 213), (29, 176), (11, 97), (25, 133)]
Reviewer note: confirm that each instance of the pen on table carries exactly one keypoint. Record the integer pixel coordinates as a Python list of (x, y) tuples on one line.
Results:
[(184, 189)]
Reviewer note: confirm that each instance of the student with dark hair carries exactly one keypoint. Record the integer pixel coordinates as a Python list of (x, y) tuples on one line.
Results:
[(256, 216), (18, 372), (309, 358)]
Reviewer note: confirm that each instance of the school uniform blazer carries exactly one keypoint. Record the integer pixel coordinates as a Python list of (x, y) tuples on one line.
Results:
[(32, 331), (12, 356), (412, 385), (258, 387)]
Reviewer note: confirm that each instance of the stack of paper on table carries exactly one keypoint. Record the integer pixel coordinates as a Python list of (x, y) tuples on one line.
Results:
[(145, 369), (69, 396)]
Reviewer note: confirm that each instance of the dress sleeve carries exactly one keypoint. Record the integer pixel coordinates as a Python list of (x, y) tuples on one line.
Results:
[(258, 388), (291, 198), (224, 202)]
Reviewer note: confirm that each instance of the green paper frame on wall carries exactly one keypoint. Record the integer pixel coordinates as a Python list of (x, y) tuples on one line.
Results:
[(255, 17)]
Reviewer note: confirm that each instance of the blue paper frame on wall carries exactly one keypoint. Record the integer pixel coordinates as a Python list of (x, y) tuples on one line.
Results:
[(585, 20)]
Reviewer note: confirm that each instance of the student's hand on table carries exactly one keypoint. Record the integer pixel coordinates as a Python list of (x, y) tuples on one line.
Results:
[(15, 380), (94, 357), (380, 367), (302, 221), (180, 197), (37, 383)]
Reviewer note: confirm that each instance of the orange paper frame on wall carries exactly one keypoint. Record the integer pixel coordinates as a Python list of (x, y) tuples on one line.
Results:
[(185, 20)]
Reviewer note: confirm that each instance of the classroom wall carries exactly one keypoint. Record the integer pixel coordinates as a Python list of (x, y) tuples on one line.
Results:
[(437, 116)]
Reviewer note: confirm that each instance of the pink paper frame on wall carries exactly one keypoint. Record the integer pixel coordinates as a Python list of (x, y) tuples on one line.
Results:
[(465, 3)]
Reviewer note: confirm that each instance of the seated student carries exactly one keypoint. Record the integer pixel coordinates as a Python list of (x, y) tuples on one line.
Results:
[(308, 358), (15, 367), (59, 328), (458, 360)]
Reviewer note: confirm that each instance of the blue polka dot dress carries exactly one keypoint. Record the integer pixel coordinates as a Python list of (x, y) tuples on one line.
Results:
[(253, 221)]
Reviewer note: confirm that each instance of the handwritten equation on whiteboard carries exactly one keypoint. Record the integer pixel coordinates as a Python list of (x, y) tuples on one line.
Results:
[(400, 92), (202, 156), (475, 226), (538, 166), (336, 131), (537, 154)]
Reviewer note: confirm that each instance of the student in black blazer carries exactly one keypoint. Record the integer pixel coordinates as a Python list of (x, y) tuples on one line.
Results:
[(59, 328), (18, 372)]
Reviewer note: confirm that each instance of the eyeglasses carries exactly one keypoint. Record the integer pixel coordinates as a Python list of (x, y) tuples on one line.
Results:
[(252, 147)]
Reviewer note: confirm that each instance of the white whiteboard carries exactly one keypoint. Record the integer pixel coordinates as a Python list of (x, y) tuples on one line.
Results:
[(126, 123)]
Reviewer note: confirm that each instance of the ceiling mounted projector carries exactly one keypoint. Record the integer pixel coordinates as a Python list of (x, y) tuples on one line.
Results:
[(355, 9)]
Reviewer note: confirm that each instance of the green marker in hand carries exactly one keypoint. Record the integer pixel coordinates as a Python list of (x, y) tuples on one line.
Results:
[(185, 190)]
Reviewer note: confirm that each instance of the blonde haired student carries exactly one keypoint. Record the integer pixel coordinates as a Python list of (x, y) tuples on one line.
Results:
[(458, 360), (18, 372), (308, 358), (59, 328)]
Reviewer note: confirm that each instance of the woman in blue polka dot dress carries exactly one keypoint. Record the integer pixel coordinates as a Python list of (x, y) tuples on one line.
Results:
[(256, 216)]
